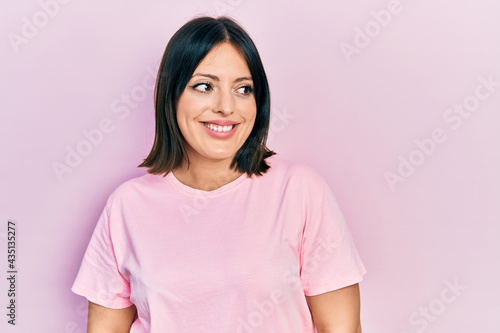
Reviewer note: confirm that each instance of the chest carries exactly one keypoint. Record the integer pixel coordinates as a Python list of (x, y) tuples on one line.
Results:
[(202, 247)]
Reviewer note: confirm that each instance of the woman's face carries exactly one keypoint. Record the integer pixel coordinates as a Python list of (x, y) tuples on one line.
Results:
[(216, 111)]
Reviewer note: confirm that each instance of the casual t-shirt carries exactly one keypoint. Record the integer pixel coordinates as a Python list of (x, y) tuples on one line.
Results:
[(240, 258)]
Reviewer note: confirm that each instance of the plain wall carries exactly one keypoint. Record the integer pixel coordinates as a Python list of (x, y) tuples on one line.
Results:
[(389, 100)]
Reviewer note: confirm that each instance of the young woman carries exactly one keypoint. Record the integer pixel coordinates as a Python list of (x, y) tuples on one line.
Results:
[(220, 235)]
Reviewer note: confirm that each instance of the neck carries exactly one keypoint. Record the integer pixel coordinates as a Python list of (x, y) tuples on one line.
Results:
[(206, 175)]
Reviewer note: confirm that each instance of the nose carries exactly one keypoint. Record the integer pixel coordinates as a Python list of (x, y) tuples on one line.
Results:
[(224, 102)]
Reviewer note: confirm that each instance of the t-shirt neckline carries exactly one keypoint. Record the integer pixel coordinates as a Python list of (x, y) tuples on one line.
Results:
[(171, 179)]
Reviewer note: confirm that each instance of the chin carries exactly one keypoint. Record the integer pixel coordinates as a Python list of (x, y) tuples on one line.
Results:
[(221, 157)]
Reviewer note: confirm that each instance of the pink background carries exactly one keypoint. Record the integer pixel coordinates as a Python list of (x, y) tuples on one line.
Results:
[(429, 241)]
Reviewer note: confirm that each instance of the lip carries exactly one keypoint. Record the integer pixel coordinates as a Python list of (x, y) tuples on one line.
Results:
[(220, 135), (220, 122)]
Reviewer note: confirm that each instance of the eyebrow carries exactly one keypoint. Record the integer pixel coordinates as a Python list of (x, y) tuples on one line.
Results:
[(215, 78)]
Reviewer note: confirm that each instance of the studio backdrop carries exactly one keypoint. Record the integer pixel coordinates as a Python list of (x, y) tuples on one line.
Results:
[(395, 102)]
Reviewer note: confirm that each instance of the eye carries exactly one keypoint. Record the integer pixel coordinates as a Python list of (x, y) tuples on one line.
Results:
[(203, 87), (245, 90)]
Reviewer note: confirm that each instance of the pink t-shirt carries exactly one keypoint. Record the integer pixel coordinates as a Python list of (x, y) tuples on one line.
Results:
[(236, 259)]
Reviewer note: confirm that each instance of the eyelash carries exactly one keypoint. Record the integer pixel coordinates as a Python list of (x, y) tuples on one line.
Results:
[(211, 86)]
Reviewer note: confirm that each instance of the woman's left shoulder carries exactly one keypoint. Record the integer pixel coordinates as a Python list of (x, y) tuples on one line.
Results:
[(296, 171)]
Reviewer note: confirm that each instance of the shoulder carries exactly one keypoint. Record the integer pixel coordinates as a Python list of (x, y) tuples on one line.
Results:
[(137, 187), (297, 172)]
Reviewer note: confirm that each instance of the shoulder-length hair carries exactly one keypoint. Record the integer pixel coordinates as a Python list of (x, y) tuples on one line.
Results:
[(185, 50)]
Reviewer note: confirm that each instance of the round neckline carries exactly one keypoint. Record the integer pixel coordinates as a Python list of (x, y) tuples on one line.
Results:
[(170, 177)]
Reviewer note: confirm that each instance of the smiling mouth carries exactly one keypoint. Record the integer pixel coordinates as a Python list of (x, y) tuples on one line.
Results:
[(219, 128)]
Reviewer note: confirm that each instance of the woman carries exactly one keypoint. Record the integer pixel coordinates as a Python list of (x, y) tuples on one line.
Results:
[(220, 235)]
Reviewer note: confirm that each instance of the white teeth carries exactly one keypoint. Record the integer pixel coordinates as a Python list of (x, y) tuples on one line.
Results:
[(219, 128)]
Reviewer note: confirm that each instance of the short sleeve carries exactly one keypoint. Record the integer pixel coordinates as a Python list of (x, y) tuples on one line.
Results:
[(329, 259), (99, 279)]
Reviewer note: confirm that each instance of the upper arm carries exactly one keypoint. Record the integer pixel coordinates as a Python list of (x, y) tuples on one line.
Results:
[(106, 320), (336, 311)]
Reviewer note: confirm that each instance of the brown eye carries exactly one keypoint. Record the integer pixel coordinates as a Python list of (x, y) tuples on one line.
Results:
[(203, 87), (245, 90)]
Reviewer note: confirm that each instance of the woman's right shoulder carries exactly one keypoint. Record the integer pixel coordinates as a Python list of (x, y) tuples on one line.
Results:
[(137, 186)]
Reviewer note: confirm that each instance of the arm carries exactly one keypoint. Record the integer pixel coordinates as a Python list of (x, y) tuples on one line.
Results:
[(336, 311), (105, 320)]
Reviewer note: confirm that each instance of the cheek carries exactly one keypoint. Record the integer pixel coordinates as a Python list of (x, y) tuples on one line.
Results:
[(188, 109), (249, 110), (185, 107), (182, 115)]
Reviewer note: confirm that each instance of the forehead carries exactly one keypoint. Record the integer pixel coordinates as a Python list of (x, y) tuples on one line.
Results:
[(224, 58)]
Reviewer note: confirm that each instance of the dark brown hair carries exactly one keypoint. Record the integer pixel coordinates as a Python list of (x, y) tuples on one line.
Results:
[(185, 50)]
